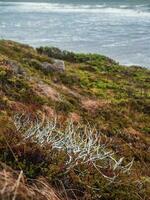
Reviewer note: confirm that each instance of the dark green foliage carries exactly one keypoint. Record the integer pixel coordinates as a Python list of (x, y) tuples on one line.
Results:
[(64, 106), (54, 52)]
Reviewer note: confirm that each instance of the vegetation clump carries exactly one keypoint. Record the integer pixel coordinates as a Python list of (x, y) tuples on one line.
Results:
[(93, 91)]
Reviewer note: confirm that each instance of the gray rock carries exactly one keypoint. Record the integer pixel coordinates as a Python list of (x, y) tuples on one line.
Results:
[(15, 67), (57, 65)]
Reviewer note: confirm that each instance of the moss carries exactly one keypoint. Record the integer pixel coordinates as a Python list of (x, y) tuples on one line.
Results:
[(64, 106)]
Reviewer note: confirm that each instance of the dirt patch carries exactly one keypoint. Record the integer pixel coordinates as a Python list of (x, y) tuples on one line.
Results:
[(93, 105), (48, 91), (69, 91), (74, 117)]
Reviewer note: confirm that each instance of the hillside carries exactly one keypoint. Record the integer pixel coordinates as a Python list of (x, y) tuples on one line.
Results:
[(87, 89)]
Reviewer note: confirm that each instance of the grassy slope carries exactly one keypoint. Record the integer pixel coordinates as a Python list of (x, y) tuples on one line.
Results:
[(93, 89)]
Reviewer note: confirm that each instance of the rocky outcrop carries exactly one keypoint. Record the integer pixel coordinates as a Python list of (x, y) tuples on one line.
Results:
[(55, 66), (14, 66), (58, 65)]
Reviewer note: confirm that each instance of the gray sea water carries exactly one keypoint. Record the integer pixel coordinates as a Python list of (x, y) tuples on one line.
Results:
[(116, 28)]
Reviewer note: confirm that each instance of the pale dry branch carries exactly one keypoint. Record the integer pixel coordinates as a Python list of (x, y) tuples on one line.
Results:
[(83, 145)]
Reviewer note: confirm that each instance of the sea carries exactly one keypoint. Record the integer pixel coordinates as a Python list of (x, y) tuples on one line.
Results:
[(119, 29)]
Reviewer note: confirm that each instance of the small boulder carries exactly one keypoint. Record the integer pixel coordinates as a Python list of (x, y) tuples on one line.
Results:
[(15, 67), (57, 65)]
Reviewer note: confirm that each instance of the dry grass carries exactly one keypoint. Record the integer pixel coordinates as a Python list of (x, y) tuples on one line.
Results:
[(14, 185)]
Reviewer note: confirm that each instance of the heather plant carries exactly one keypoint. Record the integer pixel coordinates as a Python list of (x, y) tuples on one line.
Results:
[(86, 161)]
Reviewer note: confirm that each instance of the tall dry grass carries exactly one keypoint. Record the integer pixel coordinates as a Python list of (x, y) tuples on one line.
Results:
[(14, 186)]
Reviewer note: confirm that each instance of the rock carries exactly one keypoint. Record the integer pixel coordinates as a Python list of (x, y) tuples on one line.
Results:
[(57, 65), (15, 67)]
